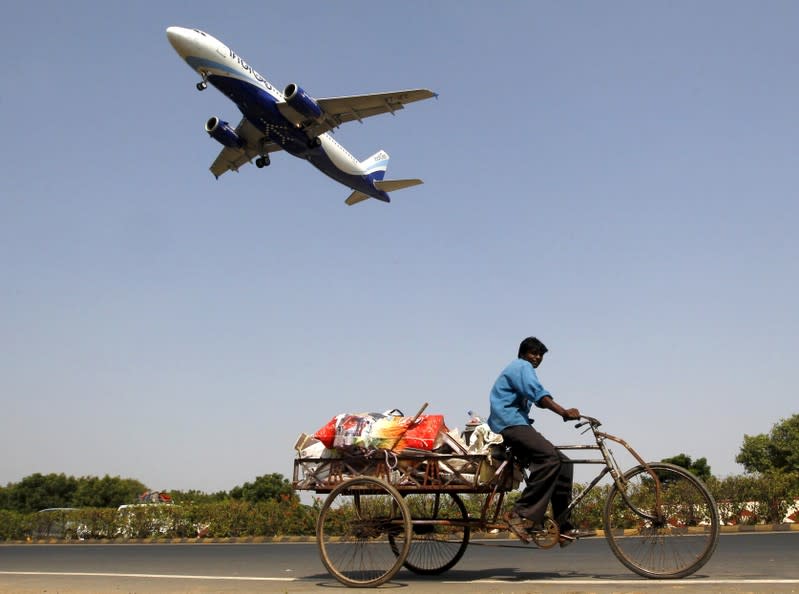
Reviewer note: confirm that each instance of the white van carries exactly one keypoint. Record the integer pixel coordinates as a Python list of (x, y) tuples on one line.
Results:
[(145, 520)]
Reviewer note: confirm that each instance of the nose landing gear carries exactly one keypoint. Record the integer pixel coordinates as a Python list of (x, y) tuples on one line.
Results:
[(262, 161)]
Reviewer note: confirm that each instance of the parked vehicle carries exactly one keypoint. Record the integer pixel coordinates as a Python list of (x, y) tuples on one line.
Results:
[(145, 520), (59, 522)]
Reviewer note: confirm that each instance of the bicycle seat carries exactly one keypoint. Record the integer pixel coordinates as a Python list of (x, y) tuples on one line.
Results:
[(500, 452), (518, 458), (504, 452)]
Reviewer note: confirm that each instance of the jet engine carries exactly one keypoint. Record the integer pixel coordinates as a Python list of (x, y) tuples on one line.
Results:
[(223, 133), (302, 102)]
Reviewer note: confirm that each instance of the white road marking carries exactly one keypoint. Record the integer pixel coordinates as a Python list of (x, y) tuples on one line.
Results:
[(150, 576), (639, 582)]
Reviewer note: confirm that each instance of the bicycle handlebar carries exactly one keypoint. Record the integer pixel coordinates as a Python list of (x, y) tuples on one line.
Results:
[(586, 420)]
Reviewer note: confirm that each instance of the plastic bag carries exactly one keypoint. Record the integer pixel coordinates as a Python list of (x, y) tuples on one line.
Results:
[(376, 430)]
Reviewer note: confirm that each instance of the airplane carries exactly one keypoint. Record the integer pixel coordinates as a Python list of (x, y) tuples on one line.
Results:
[(290, 120)]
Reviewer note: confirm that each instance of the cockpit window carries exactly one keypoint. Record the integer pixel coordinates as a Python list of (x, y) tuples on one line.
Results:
[(203, 33)]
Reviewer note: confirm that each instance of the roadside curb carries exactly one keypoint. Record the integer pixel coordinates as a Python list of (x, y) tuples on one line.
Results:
[(304, 539)]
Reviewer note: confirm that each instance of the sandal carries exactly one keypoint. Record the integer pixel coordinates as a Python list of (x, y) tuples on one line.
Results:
[(516, 524), (568, 537)]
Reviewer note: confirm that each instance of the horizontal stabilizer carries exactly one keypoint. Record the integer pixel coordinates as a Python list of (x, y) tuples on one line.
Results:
[(356, 197), (386, 185), (390, 185)]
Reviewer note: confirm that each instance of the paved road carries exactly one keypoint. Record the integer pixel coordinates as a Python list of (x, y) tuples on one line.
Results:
[(767, 562)]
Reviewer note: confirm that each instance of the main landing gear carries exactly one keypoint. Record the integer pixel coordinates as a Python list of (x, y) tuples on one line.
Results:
[(262, 161)]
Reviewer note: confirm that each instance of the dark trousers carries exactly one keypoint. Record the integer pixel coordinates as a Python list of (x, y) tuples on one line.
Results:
[(550, 477)]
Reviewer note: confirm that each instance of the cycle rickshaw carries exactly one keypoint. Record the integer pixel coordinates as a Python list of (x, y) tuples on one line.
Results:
[(387, 510)]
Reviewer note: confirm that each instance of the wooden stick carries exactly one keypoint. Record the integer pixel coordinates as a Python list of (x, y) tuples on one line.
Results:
[(411, 424)]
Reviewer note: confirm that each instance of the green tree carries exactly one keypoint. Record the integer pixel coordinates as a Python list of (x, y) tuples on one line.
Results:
[(109, 491), (39, 491), (195, 496), (778, 451), (266, 487), (698, 467)]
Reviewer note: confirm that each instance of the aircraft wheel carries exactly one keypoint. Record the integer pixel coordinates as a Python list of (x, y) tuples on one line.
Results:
[(262, 162), (202, 85)]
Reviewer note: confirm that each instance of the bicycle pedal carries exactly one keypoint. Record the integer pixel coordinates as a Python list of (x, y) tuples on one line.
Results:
[(537, 531), (546, 536)]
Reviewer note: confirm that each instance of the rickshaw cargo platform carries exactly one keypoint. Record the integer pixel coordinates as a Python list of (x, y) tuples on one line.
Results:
[(410, 471)]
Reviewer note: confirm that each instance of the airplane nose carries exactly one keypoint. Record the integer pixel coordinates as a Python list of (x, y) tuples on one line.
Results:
[(180, 38)]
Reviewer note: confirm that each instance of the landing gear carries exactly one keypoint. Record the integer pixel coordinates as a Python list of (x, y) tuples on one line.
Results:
[(262, 162), (315, 142), (203, 84)]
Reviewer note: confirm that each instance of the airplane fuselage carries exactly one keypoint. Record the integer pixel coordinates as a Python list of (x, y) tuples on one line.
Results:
[(258, 100)]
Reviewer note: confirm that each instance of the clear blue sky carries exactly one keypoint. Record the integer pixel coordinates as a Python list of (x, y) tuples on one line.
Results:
[(619, 179)]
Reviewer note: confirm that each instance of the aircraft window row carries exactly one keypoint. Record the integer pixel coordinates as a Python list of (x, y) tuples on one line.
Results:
[(333, 140)]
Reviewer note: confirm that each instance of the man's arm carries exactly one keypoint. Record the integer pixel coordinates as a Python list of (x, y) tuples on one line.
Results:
[(566, 413)]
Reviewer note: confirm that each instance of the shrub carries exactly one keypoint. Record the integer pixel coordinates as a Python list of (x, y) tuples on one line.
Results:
[(14, 525), (589, 512)]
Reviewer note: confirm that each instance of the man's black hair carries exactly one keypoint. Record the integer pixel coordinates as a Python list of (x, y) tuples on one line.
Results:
[(532, 346)]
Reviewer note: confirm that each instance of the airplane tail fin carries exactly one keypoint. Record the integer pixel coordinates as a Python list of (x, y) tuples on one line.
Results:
[(376, 165)]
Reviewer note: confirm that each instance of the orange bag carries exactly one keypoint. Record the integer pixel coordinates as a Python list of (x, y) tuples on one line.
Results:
[(423, 435)]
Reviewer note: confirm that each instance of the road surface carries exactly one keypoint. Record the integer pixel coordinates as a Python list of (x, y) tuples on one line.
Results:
[(759, 562)]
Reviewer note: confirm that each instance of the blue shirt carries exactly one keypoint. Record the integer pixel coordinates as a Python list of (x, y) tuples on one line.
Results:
[(517, 388)]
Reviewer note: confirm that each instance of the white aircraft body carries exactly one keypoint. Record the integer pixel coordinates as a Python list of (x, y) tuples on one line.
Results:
[(292, 120)]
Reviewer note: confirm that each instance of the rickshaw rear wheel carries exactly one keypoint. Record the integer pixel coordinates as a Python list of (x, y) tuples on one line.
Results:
[(354, 531)]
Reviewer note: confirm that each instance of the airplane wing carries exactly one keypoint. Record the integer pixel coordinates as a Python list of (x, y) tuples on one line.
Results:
[(339, 110), (256, 143)]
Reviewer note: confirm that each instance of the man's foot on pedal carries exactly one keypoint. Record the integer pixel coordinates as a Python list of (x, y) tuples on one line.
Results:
[(567, 537), (518, 525)]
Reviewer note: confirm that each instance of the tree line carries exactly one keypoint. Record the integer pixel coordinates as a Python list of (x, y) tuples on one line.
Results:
[(40, 491)]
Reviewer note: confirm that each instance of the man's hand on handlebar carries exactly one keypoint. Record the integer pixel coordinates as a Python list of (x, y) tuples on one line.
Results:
[(586, 420), (571, 414)]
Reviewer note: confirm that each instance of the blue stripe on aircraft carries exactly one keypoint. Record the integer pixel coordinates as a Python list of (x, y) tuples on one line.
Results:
[(203, 64)]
